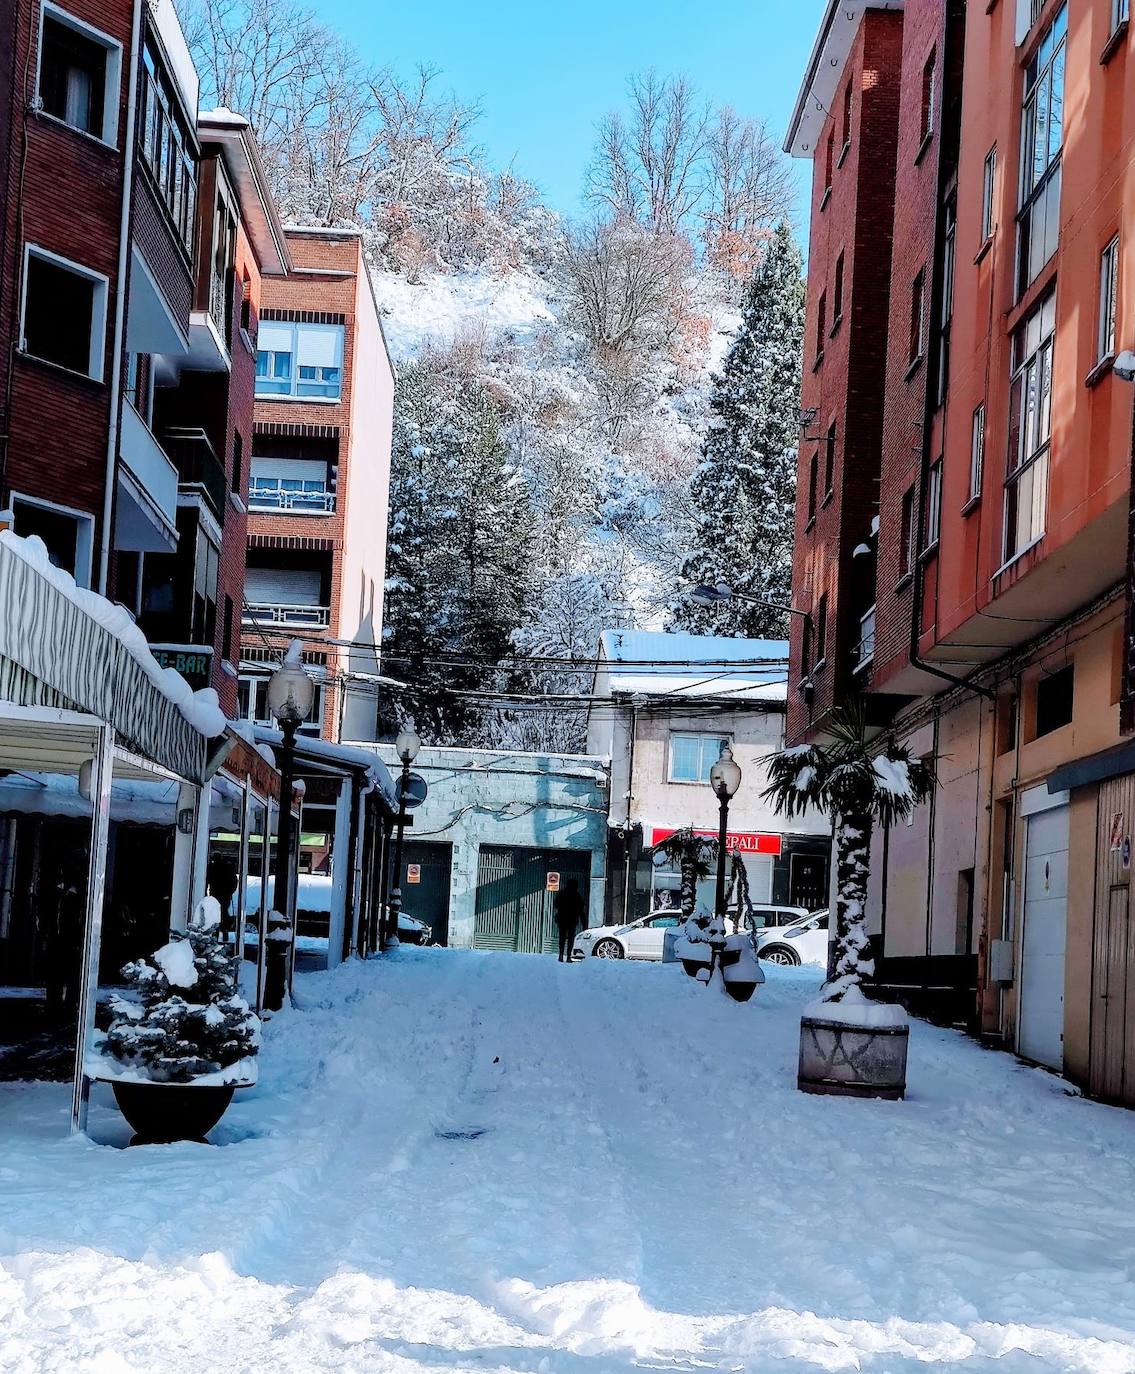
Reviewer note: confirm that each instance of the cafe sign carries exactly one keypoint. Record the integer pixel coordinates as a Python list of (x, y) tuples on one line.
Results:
[(192, 661)]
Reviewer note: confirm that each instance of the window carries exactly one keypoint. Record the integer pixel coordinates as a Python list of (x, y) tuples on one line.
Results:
[(246, 306), (837, 292), (167, 147), (1030, 429), (914, 344), (821, 324), (977, 453), (949, 244), (302, 360), (1109, 280), (64, 313), (829, 461), (907, 539), (1042, 136), (296, 486), (79, 75), (929, 95), (227, 630), (1054, 701), (67, 534), (829, 158), (813, 478), (1120, 13), (203, 618), (847, 98), (806, 649), (692, 756), (821, 629), (988, 191), (238, 461), (933, 504), (140, 385), (252, 704)]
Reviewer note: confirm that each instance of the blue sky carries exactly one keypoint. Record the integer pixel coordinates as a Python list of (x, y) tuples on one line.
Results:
[(545, 72)]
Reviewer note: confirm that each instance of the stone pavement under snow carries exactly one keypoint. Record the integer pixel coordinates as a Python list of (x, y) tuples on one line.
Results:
[(488, 1162)]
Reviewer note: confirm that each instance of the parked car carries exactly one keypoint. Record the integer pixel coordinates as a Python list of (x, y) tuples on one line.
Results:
[(803, 941), (641, 939), (411, 931)]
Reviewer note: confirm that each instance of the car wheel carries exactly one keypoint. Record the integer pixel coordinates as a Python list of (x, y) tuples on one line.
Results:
[(609, 949), (778, 954)]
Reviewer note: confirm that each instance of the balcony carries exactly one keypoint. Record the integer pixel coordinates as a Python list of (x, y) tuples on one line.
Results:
[(209, 330), (198, 467), (865, 649), (274, 499), (147, 489), (272, 614)]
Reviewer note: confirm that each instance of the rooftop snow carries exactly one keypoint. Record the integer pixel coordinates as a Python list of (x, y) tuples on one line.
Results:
[(655, 662)]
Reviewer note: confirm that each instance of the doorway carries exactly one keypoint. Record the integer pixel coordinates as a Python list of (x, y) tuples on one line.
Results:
[(427, 869), (1040, 1025), (515, 894)]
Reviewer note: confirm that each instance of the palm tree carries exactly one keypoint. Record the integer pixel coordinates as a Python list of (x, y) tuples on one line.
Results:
[(693, 854), (860, 783)]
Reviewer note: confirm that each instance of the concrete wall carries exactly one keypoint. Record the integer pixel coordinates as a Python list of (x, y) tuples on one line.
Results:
[(537, 801)]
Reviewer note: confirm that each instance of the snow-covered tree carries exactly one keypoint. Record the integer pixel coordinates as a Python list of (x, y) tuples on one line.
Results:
[(188, 1019), (743, 493), (458, 552), (859, 782)]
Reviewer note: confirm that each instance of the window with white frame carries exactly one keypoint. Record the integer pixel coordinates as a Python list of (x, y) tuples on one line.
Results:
[(252, 704), (988, 194), (290, 484), (933, 504), (692, 756), (1030, 429), (67, 534), (1109, 281), (303, 360), (977, 453), (79, 74), (168, 147), (63, 316), (1042, 138)]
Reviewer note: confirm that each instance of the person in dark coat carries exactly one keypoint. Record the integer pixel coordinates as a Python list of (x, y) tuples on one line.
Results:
[(569, 916)]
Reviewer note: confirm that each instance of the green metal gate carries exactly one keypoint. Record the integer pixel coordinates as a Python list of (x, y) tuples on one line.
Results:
[(428, 898), (514, 906)]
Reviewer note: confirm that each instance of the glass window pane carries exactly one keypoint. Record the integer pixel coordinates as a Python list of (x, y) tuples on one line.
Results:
[(684, 758)]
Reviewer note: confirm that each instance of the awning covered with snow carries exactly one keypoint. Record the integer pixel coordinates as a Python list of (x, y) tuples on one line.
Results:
[(63, 646)]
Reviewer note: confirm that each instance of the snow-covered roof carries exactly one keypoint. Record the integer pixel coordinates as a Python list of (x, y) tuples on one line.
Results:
[(347, 756), (656, 663), (257, 207)]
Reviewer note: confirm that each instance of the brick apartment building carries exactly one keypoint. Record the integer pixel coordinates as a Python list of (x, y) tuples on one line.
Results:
[(319, 483), (967, 571), (133, 243)]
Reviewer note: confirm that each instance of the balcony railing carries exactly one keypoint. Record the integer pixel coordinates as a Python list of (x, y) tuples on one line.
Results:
[(865, 649), (277, 613), (198, 466), (220, 303), (271, 499)]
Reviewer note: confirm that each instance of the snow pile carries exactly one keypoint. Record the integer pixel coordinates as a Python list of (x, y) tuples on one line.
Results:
[(200, 708), (853, 1009), (892, 775)]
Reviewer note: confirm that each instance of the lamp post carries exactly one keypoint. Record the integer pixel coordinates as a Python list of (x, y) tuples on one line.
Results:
[(706, 595), (291, 693), (406, 746), (724, 778)]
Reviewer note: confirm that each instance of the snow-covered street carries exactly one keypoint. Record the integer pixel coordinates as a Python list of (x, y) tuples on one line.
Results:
[(464, 1161)]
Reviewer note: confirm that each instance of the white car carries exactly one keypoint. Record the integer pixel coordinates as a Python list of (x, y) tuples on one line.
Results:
[(804, 941), (641, 939)]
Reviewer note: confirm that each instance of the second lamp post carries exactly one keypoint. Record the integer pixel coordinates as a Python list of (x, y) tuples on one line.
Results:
[(406, 746), (724, 778)]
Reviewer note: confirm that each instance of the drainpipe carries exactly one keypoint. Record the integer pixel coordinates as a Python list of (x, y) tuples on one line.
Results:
[(120, 298)]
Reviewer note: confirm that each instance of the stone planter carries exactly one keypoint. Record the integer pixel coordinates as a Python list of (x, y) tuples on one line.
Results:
[(843, 1059)]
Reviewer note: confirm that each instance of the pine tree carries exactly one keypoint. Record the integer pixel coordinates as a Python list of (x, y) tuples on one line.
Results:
[(744, 490), (459, 577)]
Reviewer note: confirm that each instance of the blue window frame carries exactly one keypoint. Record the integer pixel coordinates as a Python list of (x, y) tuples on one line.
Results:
[(300, 360)]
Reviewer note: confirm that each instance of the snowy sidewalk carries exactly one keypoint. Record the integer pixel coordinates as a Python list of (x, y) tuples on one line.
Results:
[(498, 1163)]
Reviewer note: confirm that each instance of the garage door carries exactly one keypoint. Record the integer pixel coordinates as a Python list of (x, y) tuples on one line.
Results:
[(514, 905), (1040, 1033)]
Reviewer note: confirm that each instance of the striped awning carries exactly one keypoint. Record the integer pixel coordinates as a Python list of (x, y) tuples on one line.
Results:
[(53, 652)]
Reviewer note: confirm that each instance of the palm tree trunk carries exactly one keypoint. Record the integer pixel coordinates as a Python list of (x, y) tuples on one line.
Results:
[(853, 963)]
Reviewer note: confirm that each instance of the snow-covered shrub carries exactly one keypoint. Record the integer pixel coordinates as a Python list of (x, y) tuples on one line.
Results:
[(187, 1019)]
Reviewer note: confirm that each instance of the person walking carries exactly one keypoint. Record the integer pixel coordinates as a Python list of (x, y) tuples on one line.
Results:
[(568, 910)]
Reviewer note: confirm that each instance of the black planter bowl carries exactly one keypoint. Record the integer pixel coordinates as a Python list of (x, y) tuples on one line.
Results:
[(164, 1112), (693, 966), (741, 992)]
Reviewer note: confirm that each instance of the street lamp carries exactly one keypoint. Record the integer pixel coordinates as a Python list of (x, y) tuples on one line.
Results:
[(718, 593), (724, 778), (291, 694), (406, 746)]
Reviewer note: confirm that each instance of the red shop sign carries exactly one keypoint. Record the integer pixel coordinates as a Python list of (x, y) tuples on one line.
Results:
[(739, 841)]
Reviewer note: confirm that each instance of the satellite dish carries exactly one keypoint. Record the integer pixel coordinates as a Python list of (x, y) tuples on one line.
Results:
[(414, 792)]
